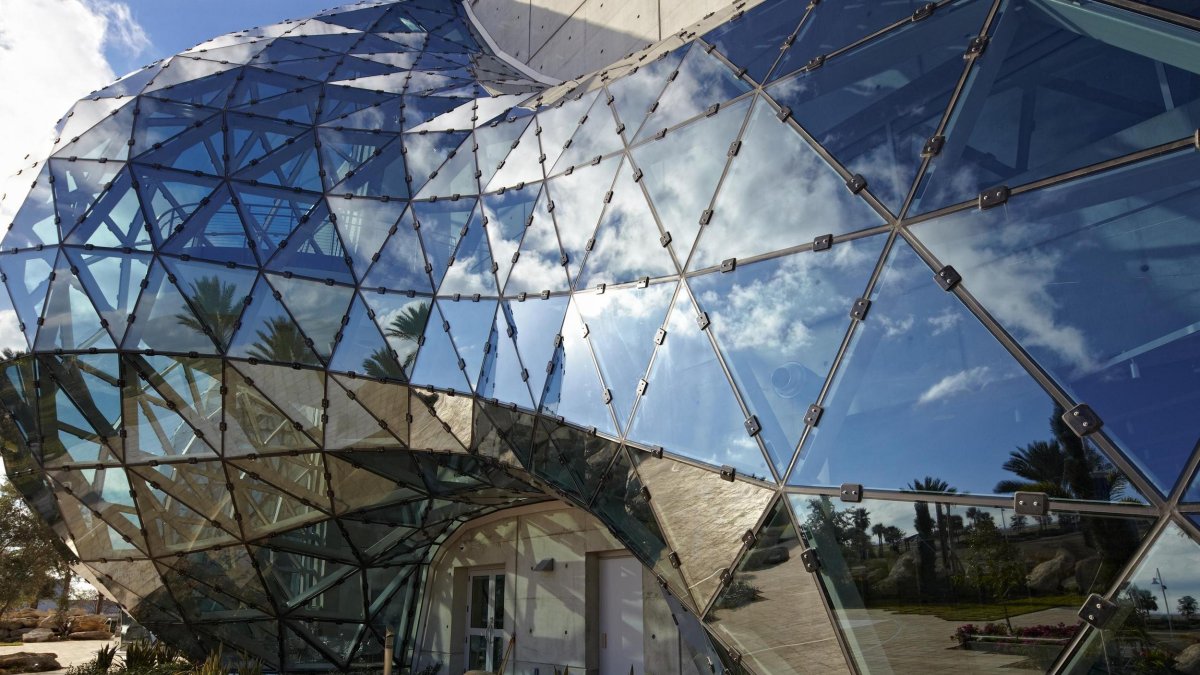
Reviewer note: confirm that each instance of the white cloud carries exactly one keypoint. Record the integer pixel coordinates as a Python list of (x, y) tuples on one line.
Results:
[(51, 55), (965, 380)]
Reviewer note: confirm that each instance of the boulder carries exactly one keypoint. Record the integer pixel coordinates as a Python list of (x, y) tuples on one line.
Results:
[(1087, 571), (39, 635), (1047, 576), (1188, 660), (902, 575), (28, 662), (51, 621), (88, 622), (10, 624), (30, 621), (91, 635)]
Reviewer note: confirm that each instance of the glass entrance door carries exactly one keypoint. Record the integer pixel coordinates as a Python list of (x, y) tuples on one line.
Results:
[(486, 633)]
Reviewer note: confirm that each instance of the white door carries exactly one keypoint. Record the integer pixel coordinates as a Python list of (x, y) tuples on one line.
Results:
[(620, 616), (487, 636)]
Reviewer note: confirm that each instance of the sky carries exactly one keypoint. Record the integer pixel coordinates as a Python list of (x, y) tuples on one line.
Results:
[(54, 52)]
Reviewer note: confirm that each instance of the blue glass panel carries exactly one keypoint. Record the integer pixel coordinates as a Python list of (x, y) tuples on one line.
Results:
[(342, 101), (1106, 82), (425, 153), (250, 138), (28, 279), (212, 91), (401, 264), (440, 225), (113, 281), (753, 40), (1193, 492), (169, 198), (343, 153), (506, 216), (535, 323), (12, 338), (578, 201), (779, 324), (456, 176), (622, 323), (470, 327), (470, 268), (596, 135), (502, 376), (267, 332), (541, 265), (317, 307), (437, 363), (109, 139), (685, 384), (116, 221), (874, 110), (633, 94), (164, 321), (835, 24), (775, 175), (270, 215), (495, 141), (521, 165), (70, 321), (381, 176), (294, 165), (1094, 279), (362, 349), (702, 81), (363, 225), (315, 249), (200, 149), (158, 122), (78, 184), (402, 320), (559, 123), (682, 169), (925, 390), (34, 222), (628, 244), (217, 294), (214, 232), (574, 389)]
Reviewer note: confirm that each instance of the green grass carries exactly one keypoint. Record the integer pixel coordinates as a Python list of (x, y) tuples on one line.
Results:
[(11, 644), (985, 612)]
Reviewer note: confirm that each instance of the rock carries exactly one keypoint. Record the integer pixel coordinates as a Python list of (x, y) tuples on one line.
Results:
[(39, 635), (1087, 571), (30, 621), (10, 624), (28, 662), (902, 575), (1071, 585), (1045, 578), (90, 635), (48, 622), (88, 622), (1188, 660)]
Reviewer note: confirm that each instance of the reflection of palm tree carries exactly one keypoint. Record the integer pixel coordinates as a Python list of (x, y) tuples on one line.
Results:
[(878, 529), (1042, 465), (408, 326), (381, 364), (281, 341), (216, 306), (931, 484)]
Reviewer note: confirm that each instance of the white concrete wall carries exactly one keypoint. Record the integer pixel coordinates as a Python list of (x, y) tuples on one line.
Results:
[(568, 38), (552, 613)]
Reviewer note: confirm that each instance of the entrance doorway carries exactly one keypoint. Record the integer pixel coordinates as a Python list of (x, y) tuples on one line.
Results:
[(487, 635), (621, 616)]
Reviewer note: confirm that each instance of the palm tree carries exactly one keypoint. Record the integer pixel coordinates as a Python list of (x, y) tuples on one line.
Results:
[(380, 364), (1042, 465), (282, 341), (878, 529), (931, 484), (216, 306), (408, 326)]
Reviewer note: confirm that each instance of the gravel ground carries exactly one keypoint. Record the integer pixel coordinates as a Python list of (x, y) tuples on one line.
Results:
[(69, 653)]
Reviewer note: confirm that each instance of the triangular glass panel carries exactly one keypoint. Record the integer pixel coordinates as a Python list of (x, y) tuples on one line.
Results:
[(779, 324), (507, 215), (319, 68), (687, 382), (174, 527), (402, 321), (682, 170), (169, 198), (362, 349), (185, 68), (401, 265), (164, 321), (201, 486), (1090, 277), (78, 413), (254, 424), (971, 415), (535, 323), (269, 333), (578, 202), (634, 93), (470, 268), (153, 427), (540, 264), (933, 546), (621, 328), (70, 322), (297, 393), (34, 223), (495, 142), (193, 386), (549, 464), (251, 137), (470, 326), (887, 107), (440, 225), (382, 175), (628, 244), (573, 388), (211, 91), (131, 84), (355, 487), (201, 148), (416, 111), (586, 455), (1068, 125), (438, 364), (838, 23), (100, 530), (503, 434), (456, 176), (363, 225), (116, 220), (753, 41), (559, 123), (745, 215), (217, 294), (441, 421), (78, 184), (214, 232), (301, 654), (355, 72), (342, 101), (259, 86), (159, 121), (271, 215), (425, 153), (706, 534), (254, 641), (296, 165), (108, 140), (386, 401), (502, 376), (317, 307), (521, 165), (622, 504), (770, 581), (702, 81), (315, 250), (595, 136), (28, 282), (288, 49), (344, 152), (352, 426), (240, 591), (301, 476)]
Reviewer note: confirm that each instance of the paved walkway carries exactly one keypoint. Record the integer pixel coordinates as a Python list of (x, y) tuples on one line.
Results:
[(69, 652)]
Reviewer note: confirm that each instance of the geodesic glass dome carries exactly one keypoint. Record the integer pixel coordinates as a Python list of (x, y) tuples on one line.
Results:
[(795, 302)]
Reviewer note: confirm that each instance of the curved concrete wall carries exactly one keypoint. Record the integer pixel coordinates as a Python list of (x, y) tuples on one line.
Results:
[(564, 39)]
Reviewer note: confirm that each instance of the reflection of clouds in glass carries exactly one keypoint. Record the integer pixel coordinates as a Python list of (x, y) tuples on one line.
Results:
[(578, 201), (943, 322), (702, 81), (538, 268), (627, 244), (962, 381), (472, 274), (896, 327)]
